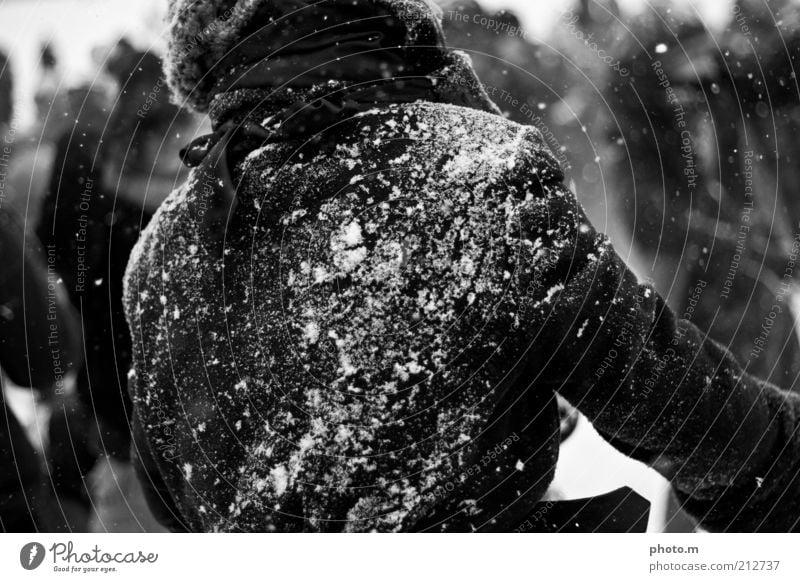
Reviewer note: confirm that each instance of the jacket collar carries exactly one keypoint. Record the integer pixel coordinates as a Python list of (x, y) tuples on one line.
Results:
[(455, 83)]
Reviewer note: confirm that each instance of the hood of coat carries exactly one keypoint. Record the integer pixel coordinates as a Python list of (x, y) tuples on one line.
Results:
[(207, 36)]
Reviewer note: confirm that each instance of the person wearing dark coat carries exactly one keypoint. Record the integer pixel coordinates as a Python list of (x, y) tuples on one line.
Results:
[(39, 344), (356, 313), (39, 348)]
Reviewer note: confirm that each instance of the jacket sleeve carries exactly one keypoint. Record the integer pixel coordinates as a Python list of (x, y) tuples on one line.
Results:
[(156, 493), (653, 385)]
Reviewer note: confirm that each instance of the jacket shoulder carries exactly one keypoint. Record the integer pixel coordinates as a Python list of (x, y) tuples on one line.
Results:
[(478, 138)]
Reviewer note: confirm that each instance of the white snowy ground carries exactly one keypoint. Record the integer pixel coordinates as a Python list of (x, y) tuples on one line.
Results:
[(589, 466)]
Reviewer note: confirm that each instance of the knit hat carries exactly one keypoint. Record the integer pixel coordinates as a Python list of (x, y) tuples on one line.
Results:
[(203, 32)]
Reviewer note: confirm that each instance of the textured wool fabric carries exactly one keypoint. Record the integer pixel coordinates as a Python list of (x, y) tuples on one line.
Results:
[(375, 339), (378, 345), (205, 33), (213, 154), (419, 445)]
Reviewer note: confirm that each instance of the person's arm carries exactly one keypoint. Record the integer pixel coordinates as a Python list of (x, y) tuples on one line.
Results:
[(654, 386)]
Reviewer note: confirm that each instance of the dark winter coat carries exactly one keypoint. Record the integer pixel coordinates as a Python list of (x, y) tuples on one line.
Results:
[(377, 341)]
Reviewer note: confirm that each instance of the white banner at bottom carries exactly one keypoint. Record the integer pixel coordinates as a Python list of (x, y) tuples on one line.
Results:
[(390, 558)]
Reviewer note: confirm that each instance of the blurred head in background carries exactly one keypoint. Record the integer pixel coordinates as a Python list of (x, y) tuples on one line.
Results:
[(145, 132)]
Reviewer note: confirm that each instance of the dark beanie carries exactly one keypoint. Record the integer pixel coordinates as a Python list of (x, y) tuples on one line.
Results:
[(203, 32)]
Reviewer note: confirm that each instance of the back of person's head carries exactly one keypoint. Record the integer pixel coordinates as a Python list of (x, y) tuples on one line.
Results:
[(212, 41)]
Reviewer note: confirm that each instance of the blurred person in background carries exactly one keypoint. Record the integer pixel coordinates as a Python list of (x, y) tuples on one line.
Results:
[(39, 349), (704, 158), (111, 172), (33, 148)]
